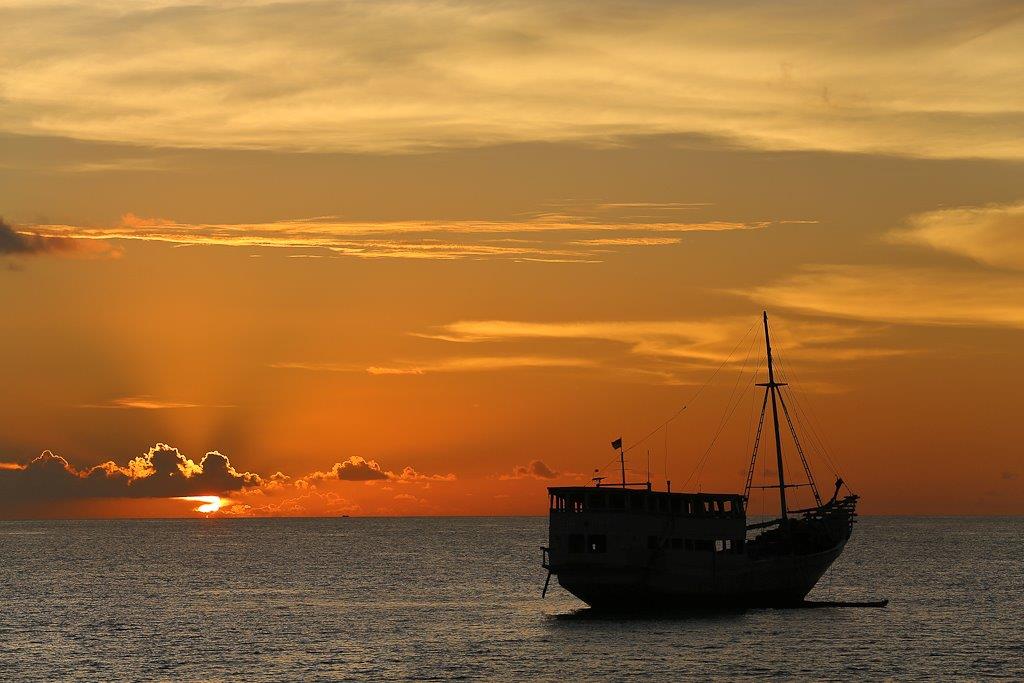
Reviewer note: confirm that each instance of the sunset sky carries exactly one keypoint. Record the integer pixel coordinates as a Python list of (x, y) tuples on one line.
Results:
[(415, 258)]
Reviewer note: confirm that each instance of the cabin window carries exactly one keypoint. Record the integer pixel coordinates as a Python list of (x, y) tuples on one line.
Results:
[(677, 544), (727, 545), (676, 505), (636, 501), (727, 506), (597, 543), (703, 544), (663, 503), (617, 501), (576, 544), (576, 504), (596, 501)]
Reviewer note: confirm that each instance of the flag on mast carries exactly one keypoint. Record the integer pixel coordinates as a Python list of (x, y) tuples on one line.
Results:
[(617, 444)]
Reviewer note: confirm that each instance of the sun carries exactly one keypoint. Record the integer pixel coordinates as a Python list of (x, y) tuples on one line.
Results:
[(209, 503)]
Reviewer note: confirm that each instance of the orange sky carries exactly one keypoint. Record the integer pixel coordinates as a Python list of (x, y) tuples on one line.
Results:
[(430, 259)]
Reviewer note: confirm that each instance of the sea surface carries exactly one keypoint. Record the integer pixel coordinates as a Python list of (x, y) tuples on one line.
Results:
[(439, 598)]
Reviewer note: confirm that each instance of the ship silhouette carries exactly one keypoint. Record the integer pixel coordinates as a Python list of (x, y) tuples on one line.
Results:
[(626, 546)]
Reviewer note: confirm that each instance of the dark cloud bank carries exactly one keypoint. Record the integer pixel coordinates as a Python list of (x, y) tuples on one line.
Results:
[(164, 472), (159, 473), (15, 243)]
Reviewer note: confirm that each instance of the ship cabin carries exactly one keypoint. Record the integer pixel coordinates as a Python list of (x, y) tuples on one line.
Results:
[(611, 526)]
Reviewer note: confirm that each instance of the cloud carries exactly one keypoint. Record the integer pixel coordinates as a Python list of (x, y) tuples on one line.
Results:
[(409, 498), (481, 364), (627, 241), (912, 295), (536, 237), (408, 475), (991, 235), (357, 468), (452, 364), (147, 403), (23, 243), (989, 292), (920, 78), (164, 472), (161, 472), (353, 469), (700, 341), (655, 206), (535, 470), (662, 351), (125, 164)]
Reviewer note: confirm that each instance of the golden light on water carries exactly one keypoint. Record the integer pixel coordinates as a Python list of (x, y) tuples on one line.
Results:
[(209, 503)]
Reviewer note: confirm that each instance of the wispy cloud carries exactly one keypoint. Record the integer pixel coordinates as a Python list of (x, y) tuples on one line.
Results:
[(898, 294), (704, 341), (992, 235), (627, 241), (917, 78), (987, 292), (658, 351), (533, 238), (657, 206), (654, 351), (148, 403), (481, 364), (451, 364), (124, 164)]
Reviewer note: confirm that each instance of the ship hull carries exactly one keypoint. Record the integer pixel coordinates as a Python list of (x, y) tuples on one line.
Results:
[(775, 581)]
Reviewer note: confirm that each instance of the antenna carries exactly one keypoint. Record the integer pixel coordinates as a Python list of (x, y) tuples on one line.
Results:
[(648, 469), (622, 465)]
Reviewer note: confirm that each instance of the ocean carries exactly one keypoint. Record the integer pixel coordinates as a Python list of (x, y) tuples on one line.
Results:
[(440, 598)]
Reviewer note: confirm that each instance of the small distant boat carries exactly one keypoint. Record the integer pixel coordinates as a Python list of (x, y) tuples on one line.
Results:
[(627, 546)]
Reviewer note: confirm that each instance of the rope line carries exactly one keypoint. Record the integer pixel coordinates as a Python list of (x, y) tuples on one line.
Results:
[(695, 396), (730, 409), (812, 423)]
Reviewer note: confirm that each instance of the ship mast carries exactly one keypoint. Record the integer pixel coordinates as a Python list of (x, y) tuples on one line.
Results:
[(773, 387)]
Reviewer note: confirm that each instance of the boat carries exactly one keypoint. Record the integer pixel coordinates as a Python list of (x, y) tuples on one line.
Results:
[(627, 546)]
